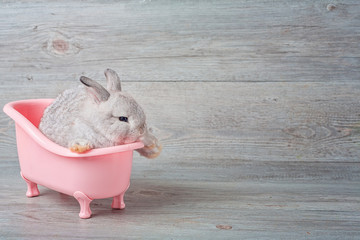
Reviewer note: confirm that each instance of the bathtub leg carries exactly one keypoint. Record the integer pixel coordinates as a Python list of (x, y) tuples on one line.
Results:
[(84, 201), (32, 189), (118, 201)]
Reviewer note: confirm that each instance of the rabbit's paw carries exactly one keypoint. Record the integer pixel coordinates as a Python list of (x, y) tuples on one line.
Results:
[(151, 151), (80, 146)]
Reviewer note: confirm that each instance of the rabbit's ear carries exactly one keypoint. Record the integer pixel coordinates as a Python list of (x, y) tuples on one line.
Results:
[(113, 80), (98, 92)]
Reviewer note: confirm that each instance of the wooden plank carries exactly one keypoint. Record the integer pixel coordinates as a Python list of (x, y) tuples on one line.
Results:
[(282, 121), (239, 131), (181, 40), (189, 210)]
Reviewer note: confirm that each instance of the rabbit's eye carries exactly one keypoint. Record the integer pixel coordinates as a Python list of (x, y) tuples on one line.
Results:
[(123, 119)]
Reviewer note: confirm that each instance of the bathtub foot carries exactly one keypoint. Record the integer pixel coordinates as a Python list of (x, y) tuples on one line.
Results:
[(32, 189), (84, 201), (118, 201)]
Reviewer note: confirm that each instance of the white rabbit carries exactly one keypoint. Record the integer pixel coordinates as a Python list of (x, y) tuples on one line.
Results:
[(91, 116)]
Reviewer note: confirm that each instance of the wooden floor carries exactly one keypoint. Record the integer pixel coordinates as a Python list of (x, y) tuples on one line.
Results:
[(257, 104)]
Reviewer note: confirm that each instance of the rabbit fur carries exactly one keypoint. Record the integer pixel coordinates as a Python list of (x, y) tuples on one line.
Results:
[(91, 116)]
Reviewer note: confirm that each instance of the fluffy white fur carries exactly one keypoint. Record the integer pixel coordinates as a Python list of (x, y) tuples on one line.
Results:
[(87, 117)]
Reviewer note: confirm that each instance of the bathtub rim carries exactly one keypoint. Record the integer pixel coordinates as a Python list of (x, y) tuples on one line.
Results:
[(49, 145)]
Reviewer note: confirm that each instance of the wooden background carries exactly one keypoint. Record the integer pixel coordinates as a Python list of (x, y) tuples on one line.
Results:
[(257, 104)]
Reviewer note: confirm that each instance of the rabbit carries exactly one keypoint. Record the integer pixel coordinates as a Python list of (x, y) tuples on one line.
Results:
[(91, 116)]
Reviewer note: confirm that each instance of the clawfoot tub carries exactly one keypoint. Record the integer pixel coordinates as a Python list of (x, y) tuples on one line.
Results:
[(99, 173)]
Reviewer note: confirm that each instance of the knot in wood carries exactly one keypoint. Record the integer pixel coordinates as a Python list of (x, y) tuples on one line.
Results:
[(60, 46), (224, 227), (330, 7)]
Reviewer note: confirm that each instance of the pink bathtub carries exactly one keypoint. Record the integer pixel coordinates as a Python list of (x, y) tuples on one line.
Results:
[(99, 173)]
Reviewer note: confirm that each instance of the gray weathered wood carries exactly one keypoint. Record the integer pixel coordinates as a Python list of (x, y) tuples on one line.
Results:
[(190, 210), (182, 40), (257, 104), (231, 121)]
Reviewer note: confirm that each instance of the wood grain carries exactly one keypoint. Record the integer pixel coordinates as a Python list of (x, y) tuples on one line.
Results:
[(214, 122), (182, 40), (190, 210), (257, 104)]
